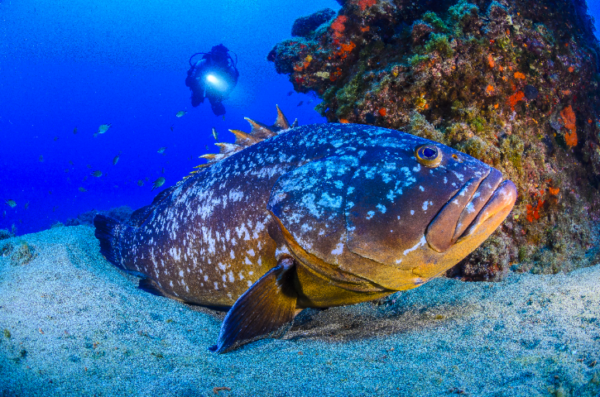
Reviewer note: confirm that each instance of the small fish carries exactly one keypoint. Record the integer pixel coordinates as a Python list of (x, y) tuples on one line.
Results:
[(54, 208), (215, 134), (41, 158), (290, 93), (70, 162), (4, 214), (82, 189), (172, 127), (96, 173), (116, 159), (103, 128), (12, 203), (66, 170), (181, 113), (26, 205), (75, 130), (146, 179), (55, 138), (162, 150), (89, 166), (206, 146), (163, 170), (140, 183), (300, 103), (158, 183)]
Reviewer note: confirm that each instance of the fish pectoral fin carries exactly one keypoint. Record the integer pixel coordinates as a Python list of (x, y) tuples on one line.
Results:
[(265, 307)]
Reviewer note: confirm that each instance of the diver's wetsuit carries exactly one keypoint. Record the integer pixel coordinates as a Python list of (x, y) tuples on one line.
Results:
[(217, 62)]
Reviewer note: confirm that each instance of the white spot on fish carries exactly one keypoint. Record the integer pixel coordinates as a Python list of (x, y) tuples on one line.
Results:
[(338, 249), (419, 244), (426, 204)]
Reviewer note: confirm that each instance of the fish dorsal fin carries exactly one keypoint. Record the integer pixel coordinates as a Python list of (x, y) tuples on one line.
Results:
[(259, 133), (281, 120), (243, 138), (229, 147), (260, 130)]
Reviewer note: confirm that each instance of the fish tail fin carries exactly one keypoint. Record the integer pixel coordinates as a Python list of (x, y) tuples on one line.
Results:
[(108, 232)]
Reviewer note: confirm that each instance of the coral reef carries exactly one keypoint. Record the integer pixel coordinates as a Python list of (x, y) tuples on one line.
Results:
[(121, 214), (512, 83), (305, 26)]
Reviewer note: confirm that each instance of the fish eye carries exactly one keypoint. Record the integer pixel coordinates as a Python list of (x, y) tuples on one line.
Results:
[(428, 155)]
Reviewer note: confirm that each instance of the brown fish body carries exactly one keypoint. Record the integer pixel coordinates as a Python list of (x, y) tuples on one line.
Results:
[(316, 216)]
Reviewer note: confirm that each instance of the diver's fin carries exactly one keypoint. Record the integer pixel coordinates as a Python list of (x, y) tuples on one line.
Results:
[(265, 307), (108, 233), (259, 133)]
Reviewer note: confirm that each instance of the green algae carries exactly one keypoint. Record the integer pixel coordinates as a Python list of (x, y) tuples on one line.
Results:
[(439, 43)]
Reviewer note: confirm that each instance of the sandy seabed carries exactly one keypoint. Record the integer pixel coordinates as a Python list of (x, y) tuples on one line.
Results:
[(71, 324)]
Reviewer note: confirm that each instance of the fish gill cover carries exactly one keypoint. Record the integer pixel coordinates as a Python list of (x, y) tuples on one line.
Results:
[(512, 83)]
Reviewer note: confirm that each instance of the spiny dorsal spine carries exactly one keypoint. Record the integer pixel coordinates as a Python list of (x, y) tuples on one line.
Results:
[(259, 133)]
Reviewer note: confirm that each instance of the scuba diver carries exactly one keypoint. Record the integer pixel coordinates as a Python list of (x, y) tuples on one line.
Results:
[(213, 76)]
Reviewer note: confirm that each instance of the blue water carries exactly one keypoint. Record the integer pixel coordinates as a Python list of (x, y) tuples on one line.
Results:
[(84, 63)]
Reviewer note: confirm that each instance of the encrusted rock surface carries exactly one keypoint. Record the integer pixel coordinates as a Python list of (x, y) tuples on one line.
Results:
[(512, 83)]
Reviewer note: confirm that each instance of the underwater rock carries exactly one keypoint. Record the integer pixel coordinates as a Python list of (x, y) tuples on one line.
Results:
[(22, 255), (4, 234), (530, 92), (122, 214), (304, 26), (514, 84)]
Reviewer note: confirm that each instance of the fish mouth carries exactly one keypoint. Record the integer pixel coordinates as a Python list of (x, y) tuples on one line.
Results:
[(501, 202), (479, 200)]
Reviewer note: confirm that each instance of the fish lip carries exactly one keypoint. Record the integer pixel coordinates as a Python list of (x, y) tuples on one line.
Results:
[(504, 196), (485, 191), (442, 230)]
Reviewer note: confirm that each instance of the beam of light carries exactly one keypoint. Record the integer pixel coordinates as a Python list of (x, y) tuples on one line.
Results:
[(216, 82)]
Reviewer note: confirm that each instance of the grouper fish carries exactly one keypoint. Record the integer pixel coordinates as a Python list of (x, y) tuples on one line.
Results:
[(288, 218)]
